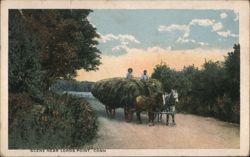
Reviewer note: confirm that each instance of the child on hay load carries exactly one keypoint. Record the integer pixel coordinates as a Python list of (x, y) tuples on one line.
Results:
[(129, 75), (144, 76)]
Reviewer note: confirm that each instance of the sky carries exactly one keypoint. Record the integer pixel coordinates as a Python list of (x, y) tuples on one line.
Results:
[(143, 38)]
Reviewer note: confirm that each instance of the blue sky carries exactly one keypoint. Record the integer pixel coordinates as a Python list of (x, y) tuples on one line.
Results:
[(170, 29)]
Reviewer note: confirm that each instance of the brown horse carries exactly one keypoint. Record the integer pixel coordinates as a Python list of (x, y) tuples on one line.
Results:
[(144, 103)]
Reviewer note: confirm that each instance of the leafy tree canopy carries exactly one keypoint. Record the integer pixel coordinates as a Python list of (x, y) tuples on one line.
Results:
[(58, 41)]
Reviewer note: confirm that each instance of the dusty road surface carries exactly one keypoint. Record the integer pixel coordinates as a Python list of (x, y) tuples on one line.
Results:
[(190, 132)]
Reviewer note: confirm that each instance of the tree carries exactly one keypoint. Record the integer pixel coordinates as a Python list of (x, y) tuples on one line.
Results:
[(232, 68), (185, 80), (213, 90), (209, 82), (66, 41), (25, 73), (45, 45), (166, 75)]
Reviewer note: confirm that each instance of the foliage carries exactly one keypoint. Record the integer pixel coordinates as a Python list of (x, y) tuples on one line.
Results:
[(45, 46), (61, 122), (58, 42), (25, 71), (166, 75), (212, 90), (232, 70)]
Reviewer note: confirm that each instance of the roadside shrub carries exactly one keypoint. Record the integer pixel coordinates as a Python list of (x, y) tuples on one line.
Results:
[(224, 108), (227, 110), (60, 122)]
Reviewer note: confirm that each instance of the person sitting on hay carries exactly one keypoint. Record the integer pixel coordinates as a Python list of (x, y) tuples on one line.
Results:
[(129, 75), (144, 76)]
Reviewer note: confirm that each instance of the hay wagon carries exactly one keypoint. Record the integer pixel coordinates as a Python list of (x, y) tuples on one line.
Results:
[(121, 93)]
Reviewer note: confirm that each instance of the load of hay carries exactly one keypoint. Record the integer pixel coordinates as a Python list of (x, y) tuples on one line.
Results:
[(118, 92)]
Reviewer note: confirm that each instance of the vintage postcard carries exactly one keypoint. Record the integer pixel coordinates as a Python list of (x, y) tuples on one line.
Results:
[(124, 78)]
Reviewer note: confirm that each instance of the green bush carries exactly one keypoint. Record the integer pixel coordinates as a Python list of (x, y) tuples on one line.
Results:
[(213, 90), (224, 108), (60, 122)]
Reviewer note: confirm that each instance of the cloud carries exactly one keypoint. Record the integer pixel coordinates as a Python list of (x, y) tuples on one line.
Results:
[(202, 43), (140, 59), (186, 28), (120, 47), (236, 16), (223, 15), (182, 40), (88, 18), (119, 37), (123, 41), (172, 27), (227, 33), (202, 22), (217, 26), (169, 48), (186, 40)]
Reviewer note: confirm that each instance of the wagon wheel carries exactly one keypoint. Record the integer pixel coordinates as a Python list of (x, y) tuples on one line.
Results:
[(151, 117), (126, 113), (130, 115), (154, 116), (106, 108), (112, 113), (108, 111)]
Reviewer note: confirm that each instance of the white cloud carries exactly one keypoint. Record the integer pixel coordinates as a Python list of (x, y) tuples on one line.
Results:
[(182, 40), (108, 37), (88, 18), (202, 22), (120, 47), (186, 40), (202, 43), (127, 37), (172, 27), (186, 28), (124, 43), (226, 34), (120, 37), (193, 41), (236, 16), (169, 48), (223, 15), (217, 26), (123, 39)]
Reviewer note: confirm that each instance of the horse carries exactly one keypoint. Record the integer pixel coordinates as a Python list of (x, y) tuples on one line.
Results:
[(145, 103), (169, 101)]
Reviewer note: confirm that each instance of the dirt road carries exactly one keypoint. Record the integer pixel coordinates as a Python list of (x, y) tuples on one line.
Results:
[(190, 132)]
